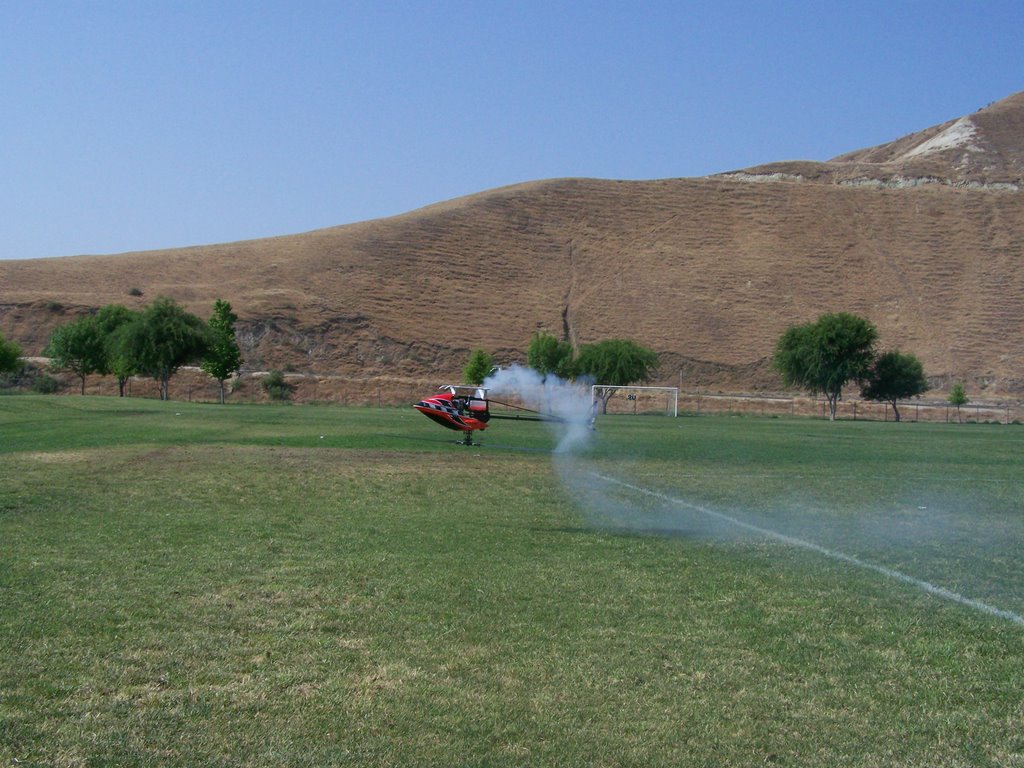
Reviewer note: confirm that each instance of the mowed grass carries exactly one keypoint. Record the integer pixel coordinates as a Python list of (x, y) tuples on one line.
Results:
[(257, 585)]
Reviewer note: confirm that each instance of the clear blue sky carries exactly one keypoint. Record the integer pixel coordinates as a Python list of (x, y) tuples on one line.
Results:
[(139, 125)]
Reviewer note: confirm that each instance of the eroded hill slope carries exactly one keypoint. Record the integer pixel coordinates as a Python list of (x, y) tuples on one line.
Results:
[(708, 272)]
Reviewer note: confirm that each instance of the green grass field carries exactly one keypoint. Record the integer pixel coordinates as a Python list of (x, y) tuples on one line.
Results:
[(271, 585)]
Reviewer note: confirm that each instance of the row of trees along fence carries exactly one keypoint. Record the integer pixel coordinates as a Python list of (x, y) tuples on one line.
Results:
[(162, 338), (155, 342), (192, 384)]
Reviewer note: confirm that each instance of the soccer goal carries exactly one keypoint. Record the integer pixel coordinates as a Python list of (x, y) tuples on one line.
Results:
[(635, 401)]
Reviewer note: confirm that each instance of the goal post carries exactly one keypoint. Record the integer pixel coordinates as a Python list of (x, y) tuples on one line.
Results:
[(635, 400)]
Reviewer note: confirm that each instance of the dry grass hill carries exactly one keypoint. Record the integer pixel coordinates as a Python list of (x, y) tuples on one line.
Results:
[(924, 236)]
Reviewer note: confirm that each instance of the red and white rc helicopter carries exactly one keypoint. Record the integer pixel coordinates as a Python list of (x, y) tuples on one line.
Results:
[(467, 409)]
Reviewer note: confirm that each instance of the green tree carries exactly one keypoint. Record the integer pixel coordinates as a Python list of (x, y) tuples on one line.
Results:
[(78, 347), (112, 319), (113, 316), (479, 366), (546, 354), (825, 355), (894, 376), (958, 397), (161, 339), (9, 354), (616, 363), (223, 358)]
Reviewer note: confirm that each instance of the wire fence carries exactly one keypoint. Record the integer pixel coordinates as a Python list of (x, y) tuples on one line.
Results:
[(923, 410)]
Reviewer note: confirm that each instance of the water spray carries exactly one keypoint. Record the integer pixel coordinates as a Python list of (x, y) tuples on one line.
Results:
[(932, 589)]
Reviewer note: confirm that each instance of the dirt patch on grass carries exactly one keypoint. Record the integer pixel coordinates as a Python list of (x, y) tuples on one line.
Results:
[(58, 457)]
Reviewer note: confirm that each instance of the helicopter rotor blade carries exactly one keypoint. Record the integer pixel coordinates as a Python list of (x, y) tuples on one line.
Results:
[(540, 415)]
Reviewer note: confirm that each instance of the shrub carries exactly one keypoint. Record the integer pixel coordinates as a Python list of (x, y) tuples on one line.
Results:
[(10, 356), (276, 387), (45, 384)]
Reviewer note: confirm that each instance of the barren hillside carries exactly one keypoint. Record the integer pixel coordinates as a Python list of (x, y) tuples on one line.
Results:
[(924, 236)]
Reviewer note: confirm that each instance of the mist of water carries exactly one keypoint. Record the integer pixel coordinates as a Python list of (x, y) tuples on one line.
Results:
[(719, 519), (609, 501)]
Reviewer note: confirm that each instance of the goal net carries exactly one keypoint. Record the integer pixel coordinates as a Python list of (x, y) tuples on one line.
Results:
[(636, 401)]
